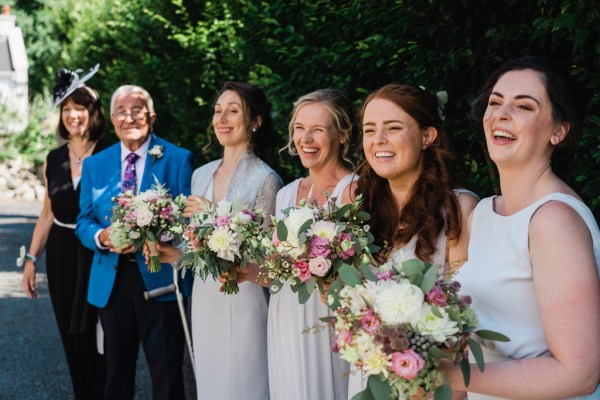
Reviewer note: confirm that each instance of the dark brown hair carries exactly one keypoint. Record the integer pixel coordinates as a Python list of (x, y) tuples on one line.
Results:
[(255, 104), (87, 97), (431, 206)]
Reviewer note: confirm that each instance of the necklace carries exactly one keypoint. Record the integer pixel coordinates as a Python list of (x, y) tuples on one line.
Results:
[(77, 156)]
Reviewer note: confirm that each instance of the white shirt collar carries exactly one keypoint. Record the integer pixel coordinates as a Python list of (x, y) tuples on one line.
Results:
[(142, 151)]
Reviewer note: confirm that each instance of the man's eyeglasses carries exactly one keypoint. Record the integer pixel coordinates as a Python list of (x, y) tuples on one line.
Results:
[(137, 115)]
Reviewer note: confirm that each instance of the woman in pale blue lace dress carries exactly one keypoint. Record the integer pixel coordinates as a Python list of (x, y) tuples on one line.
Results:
[(302, 366), (230, 331), (535, 250), (407, 187)]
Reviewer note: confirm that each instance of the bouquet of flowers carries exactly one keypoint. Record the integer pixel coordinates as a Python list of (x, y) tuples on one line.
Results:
[(396, 326), (220, 237), (313, 246), (150, 217)]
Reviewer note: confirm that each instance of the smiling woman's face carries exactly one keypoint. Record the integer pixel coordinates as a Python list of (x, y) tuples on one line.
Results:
[(229, 120)]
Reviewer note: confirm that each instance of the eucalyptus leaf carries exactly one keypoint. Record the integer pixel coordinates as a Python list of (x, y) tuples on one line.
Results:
[(151, 236), (368, 273), (304, 227), (303, 293), (436, 352), (429, 279), (443, 392), (282, 232), (349, 275), (477, 354), (436, 311), (378, 388), (413, 266), (465, 367), (341, 212), (363, 216), (492, 335)]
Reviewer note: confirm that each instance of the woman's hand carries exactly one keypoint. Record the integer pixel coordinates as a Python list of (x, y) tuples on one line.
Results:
[(195, 204), (29, 280), (166, 253), (324, 295), (249, 273)]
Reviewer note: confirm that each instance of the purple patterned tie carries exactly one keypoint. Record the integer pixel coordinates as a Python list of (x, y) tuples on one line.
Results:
[(130, 180)]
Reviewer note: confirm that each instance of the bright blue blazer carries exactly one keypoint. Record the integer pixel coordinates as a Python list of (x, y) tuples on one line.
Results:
[(100, 182)]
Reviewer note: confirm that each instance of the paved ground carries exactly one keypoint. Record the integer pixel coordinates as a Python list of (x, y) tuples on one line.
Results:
[(32, 364)]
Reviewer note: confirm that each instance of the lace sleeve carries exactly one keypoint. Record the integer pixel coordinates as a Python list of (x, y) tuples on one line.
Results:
[(268, 193)]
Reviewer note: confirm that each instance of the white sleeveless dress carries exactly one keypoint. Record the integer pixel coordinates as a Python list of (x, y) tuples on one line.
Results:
[(302, 366), (499, 278), (230, 331), (358, 381)]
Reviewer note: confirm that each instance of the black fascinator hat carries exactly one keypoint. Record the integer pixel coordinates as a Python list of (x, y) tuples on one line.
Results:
[(67, 81)]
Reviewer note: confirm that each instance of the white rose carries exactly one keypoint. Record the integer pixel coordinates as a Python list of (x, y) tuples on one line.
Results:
[(134, 235), (143, 215), (398, 302), (438, 328), (242, 218)]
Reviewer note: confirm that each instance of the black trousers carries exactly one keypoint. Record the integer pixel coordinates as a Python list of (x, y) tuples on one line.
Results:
[(128, 319)]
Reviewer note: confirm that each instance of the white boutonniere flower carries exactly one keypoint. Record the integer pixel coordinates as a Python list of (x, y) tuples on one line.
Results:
[(156, 152), (24, 256)]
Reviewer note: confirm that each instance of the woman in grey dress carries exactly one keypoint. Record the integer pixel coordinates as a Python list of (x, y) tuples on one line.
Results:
[(230, 331)]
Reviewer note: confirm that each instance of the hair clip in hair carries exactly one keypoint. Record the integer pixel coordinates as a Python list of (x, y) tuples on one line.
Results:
[(68, 81), (442, 100)]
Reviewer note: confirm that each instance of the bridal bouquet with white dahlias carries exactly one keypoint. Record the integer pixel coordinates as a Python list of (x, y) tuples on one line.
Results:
[(311, 246), (220, 237), (396, 326), (150, 217)]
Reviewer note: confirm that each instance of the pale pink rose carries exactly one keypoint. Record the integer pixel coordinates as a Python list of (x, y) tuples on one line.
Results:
[(407, 364), (437, 296), (303, 270), (276, 240), (369, 321), (319, 266), (319, 247)]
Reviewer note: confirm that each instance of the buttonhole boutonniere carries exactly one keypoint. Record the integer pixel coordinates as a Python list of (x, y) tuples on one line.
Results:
[(156, 152)]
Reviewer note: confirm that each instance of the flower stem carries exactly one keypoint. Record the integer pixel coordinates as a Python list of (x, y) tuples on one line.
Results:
[(231, 287)]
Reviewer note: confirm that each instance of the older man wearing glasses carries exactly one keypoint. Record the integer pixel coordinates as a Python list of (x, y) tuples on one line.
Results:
[(118, 281)]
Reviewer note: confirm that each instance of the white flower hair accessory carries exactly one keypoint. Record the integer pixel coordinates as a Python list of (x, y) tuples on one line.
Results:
[(68, 81), (442, 98), (24, 256), (157, 151)]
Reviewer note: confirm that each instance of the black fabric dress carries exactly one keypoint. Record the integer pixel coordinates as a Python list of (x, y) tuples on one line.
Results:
[(68, 269)]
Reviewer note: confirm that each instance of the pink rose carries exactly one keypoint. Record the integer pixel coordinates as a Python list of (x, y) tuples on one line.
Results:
[(222, 220), (437, 296), (275, 239), (319, 266), (407, 364), (303, 270), (319, 247), (250, 213), (130, 216), (369, 321), (343, 337)]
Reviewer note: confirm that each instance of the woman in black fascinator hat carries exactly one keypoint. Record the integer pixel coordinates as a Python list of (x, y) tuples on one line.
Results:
[(81, 124)]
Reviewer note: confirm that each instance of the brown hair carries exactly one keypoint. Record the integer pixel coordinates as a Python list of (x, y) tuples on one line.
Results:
[(87, 97), (431, 206)]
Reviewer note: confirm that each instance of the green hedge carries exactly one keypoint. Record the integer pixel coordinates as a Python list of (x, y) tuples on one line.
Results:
[(182, 51)]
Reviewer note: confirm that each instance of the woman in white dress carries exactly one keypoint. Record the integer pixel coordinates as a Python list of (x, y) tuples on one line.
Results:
[(302, 365), (535, 250), (407, 187), (230, 331)]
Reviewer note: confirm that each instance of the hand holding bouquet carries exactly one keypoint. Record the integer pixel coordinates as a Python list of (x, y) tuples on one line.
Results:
[(312, 246), (221, 237), (150, 217), (395, 328)]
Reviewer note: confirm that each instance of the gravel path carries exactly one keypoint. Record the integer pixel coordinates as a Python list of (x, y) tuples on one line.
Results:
[(32, 364)]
